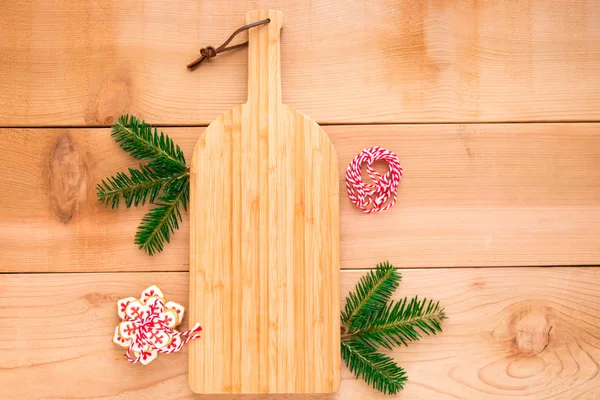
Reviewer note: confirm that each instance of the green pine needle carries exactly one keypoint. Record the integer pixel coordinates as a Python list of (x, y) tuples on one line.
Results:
[(371, 320), (370, 294), (400, 322), (164, 181), (376, 369), (141, 185), (160, 222), (142, 142)]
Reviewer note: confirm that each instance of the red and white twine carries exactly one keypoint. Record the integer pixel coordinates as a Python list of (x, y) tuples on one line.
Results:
[(146, 330), (372, 197), (148, 326)]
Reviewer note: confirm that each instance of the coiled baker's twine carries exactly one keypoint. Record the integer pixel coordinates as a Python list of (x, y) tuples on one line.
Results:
[(372, 197)]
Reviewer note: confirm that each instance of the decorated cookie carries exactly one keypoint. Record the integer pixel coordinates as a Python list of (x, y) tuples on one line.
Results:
[(148, 326)]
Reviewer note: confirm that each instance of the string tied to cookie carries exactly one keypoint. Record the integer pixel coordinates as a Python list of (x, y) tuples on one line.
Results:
[(380, 194), (211, 52), (155, 334), (149, 326)]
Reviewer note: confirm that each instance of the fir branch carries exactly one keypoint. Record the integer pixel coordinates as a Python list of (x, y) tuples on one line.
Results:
[(376, 369), (160, 222), (142, 142), (370, 320), (370, 294), (141, 185), (166, 178), (399, 323)]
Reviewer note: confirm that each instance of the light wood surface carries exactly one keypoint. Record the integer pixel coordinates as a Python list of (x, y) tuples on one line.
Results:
[(472, 195), (485, 194), (526, 333), (82, 63), (264, 241)]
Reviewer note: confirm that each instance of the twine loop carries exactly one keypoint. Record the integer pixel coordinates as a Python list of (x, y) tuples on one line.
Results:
[(382, 193)]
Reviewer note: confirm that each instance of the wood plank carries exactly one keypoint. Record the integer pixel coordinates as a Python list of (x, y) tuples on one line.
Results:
[(527, 332), (264, 208), (472, 195), (83, 63)]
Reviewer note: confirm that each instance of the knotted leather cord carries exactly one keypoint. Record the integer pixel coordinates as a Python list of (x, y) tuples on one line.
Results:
[(210, 52)]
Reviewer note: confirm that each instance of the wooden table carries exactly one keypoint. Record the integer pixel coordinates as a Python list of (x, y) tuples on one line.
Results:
[(492, 106)]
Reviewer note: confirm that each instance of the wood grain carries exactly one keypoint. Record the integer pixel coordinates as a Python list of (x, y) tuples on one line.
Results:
[(472, 195), (83, 63), (265, 241), (527, 333)]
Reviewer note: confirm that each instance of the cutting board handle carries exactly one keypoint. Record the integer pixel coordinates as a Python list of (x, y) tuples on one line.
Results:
[(264, 61)]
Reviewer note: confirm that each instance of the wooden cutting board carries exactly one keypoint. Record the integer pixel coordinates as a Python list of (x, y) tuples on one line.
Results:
[(264, 257)]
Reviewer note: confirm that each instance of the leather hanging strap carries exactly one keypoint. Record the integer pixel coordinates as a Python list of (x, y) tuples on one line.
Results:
[(210, 52)]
